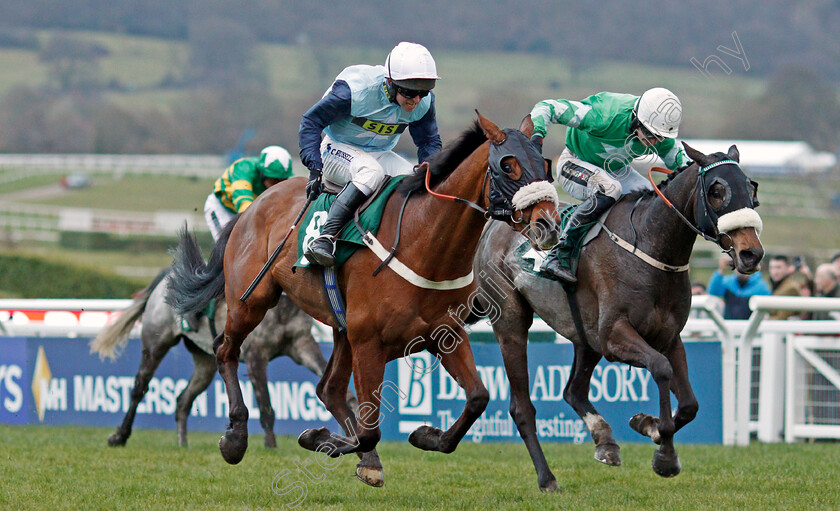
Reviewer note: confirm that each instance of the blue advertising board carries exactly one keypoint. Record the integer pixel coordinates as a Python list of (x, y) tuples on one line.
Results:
[(57, 381)]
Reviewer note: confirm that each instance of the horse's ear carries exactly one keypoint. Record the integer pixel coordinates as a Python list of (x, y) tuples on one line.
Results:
[(527, 126), (491, 131), (734, 154), (696, 155)]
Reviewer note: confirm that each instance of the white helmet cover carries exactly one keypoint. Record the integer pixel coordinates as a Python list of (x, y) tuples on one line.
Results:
[(660, 111), (411, 65)]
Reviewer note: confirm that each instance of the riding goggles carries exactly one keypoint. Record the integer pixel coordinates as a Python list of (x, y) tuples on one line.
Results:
[(410, 93)]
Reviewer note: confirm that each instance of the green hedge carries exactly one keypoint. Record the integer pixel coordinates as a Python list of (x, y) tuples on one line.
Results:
[(31, 277)]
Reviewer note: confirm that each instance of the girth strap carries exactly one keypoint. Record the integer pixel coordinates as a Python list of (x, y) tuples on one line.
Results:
[(618, 240), (334, 296)]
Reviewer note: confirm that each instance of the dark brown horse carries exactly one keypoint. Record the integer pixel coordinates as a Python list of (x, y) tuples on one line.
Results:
[(387, 317), (629, 309)]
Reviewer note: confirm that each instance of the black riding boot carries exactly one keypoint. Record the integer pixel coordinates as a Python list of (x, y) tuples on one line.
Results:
[(322, 249), (559, 263)]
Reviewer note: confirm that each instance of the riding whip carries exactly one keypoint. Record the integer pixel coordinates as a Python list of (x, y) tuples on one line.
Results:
[(274, 255)]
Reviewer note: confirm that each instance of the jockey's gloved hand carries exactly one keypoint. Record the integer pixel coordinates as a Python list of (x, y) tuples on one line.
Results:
[(538, 142), (313, 187)]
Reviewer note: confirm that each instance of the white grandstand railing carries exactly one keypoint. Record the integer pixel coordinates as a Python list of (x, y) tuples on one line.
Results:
[(777, 372), (59, 218), (15, 167)]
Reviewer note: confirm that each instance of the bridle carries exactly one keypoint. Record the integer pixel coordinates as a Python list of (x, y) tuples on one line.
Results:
[(703, 201)]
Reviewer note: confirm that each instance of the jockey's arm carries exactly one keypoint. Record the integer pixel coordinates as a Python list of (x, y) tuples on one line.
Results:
[(424, 133), (334, 106), (573, 114), (672, 154)]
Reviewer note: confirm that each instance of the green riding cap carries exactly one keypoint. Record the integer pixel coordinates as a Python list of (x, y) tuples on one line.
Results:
[(275, 162)]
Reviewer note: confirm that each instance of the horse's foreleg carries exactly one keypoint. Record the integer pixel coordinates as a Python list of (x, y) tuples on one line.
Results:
[(332, 390), (459, 363), (626, 344), (514, 352), (204, 368), (577, 395), (257, 361), (368, 366), (153, 352), (687, 405)]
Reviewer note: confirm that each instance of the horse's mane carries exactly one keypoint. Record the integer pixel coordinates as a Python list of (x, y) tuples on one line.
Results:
[(444, 162), (632, 196)]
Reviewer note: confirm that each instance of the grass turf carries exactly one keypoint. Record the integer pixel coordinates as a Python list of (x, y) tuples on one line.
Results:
[(72, 468)]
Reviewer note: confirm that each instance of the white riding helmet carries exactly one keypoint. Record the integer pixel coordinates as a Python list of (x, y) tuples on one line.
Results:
[(660, 111), (275, 162), (410, 65)]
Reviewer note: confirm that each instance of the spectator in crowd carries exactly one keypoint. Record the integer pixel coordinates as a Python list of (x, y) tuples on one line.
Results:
[(783, 281), (736, 289), (836, 262), (826, 284), (698, 288)]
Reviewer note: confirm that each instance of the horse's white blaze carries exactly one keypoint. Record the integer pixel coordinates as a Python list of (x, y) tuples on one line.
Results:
[(745, 217), (534, 193)]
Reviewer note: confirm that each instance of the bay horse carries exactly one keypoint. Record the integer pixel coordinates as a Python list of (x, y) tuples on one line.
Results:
[(285, 330), (629, 310), (387, 317)]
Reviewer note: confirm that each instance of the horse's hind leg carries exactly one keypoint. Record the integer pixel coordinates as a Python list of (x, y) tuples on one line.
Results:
[(577, 395), (241, 321), (204, 368), (257, 361), (155, 347), (513, 341), (626, 344), (459, 363)]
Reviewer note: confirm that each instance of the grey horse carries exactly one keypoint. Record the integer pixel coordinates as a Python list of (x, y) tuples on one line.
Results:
[(286, 330)]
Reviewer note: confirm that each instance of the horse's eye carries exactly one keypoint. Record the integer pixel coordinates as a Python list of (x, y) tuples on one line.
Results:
[(507, 168)]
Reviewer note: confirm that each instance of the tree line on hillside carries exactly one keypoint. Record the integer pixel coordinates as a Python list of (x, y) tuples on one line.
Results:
[(774, 33)]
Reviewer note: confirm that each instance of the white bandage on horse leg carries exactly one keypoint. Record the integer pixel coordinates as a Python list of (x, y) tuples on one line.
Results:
[(745, 217), (533, 193)]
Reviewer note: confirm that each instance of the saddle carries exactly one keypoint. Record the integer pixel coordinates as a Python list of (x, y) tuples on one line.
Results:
[(369, 216)]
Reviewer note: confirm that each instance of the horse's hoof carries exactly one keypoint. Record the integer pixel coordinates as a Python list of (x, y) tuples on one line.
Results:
[(608, 454), (646, 425), (117, 440), (666, 465), (233, 446), (371, 476), (313, 438), (270, 442), (426, 438), (550, 487)]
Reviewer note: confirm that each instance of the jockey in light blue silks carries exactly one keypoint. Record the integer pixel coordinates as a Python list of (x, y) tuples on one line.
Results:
[(362, 116), (606, 131)]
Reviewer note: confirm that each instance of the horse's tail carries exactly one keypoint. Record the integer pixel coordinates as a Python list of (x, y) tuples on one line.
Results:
[(113, 338), (194, 283)]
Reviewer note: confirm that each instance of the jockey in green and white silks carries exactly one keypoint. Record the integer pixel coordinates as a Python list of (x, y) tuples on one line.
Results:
[(242, 182), (606, 131), (362, 116)]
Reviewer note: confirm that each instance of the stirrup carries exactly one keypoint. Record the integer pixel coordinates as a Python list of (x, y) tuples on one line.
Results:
[(330, 238)]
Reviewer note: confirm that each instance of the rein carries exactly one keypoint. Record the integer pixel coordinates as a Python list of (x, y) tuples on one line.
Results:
[(702, 172), (457, 199)]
